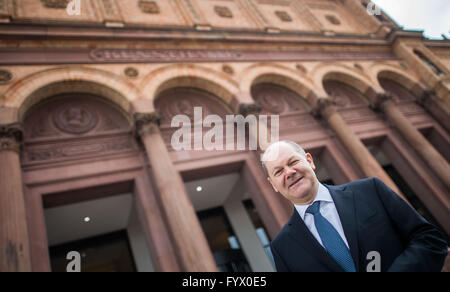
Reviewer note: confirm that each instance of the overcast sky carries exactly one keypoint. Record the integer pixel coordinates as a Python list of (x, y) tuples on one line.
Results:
[(433, 16)]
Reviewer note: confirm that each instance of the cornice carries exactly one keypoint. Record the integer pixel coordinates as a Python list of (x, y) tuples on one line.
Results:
[(89, 32), (55, 56)]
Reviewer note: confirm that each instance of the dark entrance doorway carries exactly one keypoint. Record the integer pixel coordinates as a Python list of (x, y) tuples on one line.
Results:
[(105, 253), (223, 242)]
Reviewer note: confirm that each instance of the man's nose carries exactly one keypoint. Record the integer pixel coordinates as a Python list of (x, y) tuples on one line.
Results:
[(290, 172)]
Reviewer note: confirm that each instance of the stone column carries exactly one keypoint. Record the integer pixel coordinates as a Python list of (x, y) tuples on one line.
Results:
[(189, 239), (429, 154), (369, 166), (259, 132), (14, 240)]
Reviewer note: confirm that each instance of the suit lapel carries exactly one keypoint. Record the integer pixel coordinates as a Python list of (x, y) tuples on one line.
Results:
[(301, 233), (345, 205)]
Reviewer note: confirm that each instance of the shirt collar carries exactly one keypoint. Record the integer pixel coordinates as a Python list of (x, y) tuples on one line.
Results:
[(323, 194)]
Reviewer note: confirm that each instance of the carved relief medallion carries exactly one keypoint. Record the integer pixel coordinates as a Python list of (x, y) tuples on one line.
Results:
[(228, 69), (5, 76), (182, 101), (75, 119), (223, 11), (277, 99), (131, 72)]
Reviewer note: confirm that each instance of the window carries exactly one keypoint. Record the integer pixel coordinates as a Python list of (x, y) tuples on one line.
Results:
[(333, 19), (429, 63)]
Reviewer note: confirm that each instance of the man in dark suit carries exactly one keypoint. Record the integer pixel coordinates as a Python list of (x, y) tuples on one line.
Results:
[(358, 226)]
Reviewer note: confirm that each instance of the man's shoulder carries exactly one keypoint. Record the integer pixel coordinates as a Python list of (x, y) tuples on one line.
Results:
[(362, 184)]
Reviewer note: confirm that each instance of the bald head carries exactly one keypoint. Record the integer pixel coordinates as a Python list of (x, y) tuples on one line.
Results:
[(272, 152)]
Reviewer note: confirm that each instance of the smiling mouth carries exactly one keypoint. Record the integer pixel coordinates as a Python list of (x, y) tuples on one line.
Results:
[(296, 182)]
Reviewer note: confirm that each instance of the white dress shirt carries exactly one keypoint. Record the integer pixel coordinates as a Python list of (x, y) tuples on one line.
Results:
[(327, 209)]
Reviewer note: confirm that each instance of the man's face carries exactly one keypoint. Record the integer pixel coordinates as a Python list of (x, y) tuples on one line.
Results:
[(292, 175)]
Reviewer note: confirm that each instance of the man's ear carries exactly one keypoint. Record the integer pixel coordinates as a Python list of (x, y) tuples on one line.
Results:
[(272, 185), (310, 160)]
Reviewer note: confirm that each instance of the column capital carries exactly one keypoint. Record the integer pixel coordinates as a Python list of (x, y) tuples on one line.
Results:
[(426, 96), (324, 107), (380, 99), (246, 109), (11, 137), (143, 122)]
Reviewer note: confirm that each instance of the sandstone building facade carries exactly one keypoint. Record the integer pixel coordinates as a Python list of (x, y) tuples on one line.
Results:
[(86, 101)]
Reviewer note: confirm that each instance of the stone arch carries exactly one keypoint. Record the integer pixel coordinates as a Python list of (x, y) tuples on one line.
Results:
[(402, 88), (279, 75), (346, 75), (395, 73), (169, 104), (190, 75), (36, 87), (72, 127), (279, 100), (399, 76), (361, 85)]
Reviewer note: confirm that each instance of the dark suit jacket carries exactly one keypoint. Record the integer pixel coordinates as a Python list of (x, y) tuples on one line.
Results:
[(374, 218)]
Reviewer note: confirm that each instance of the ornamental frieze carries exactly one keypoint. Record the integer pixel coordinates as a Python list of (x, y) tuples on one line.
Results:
[(119, 55), (77, 150), (26, 56)]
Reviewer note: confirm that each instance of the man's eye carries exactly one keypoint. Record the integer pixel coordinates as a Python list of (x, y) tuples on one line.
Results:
[(277, 173), (293, 162)]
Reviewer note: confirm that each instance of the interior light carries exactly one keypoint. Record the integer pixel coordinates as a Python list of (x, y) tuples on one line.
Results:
[(199, 189), (87, 219)]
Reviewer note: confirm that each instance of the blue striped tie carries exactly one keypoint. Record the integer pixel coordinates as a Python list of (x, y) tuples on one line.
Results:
[(331, 239)]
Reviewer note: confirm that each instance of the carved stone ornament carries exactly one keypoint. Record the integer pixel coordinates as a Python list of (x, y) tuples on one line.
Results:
[(5, 76), (149, 7), (228, 69), (426, 95), (75, 119), (301, 68), (64, 151), (131, 72), (380, 99), (278, 100), (142, 120), (324, 107), (183, 101), (272, 103), (223, 11), (11, 136), (246, 109), (57, 4), (283, 16), (341, 100), (359, 67)]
